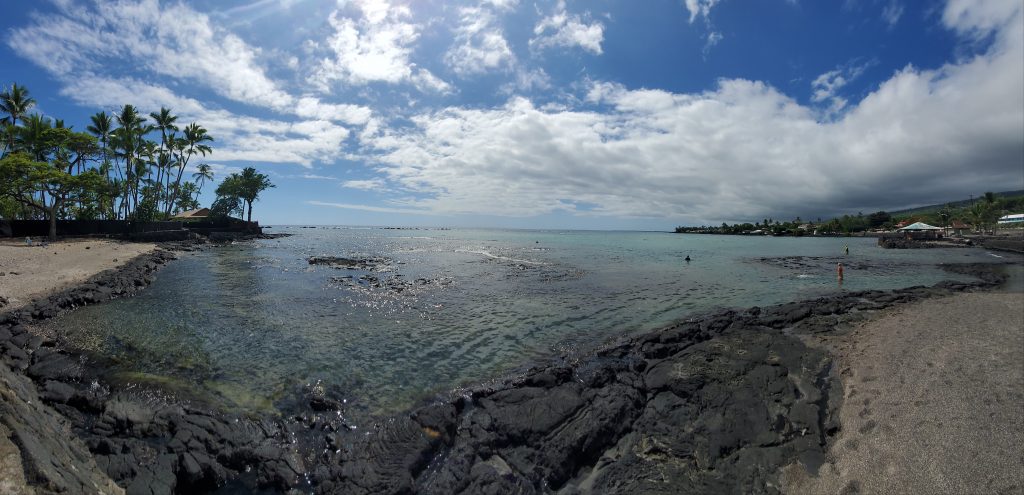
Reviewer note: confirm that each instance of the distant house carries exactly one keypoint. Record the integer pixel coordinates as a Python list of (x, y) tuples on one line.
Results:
[(200, 214), (1016, 220), (959, 228), (905, 223), (921, 230)]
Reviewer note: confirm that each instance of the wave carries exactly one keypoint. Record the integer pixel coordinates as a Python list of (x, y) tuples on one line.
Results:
[(502, 258)]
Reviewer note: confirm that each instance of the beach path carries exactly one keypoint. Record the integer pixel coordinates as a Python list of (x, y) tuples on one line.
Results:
[(30, 272), (933, 401)]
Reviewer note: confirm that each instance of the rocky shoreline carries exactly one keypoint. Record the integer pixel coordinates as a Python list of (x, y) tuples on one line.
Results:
[(717, 403)]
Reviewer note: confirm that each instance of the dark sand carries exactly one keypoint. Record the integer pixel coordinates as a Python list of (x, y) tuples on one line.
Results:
[(933, 401)]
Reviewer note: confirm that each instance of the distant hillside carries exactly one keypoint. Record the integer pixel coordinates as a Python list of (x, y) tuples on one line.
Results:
[(954, 204)]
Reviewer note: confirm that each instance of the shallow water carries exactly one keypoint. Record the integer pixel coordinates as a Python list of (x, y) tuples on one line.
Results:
[(246, 325)]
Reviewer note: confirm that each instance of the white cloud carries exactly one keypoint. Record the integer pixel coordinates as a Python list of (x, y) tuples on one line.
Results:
[(376, 209), (220, 171), (700, 8), (826, 87), (313, 108), (365, 185), (480, 45), (713, 38), (740, 151), (527, 80), (170, 41), (977, 19), (313, 176), (168, 44), (427, 82), (373, 45), (237, 137), (892, 12), (562, 29)]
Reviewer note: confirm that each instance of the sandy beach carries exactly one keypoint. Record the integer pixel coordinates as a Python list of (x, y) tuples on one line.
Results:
[(933, 401), (28, 272)]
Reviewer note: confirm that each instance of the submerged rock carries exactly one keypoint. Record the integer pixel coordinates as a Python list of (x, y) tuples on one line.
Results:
[(349, 263)]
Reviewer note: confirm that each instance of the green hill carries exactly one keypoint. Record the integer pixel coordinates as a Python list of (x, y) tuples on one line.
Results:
[(923, 210)]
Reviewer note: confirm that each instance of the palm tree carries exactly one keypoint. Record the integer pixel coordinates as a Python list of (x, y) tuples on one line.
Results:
[(246, 186), (30, 137), (193, 142), (164, 122), (204, 174), (101, 127), (15, 102), (129, 138)]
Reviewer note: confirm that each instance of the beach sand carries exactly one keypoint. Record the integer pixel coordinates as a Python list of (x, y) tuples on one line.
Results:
[(30, 272), (933, 401)]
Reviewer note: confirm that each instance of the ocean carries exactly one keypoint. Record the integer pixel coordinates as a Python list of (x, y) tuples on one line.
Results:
[(246, 326)]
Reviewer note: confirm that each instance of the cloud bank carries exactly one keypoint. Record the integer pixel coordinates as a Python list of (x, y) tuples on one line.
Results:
[(742, 150)]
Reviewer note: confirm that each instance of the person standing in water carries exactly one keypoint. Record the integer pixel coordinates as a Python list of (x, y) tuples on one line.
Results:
[(839, 270), (846, 249)]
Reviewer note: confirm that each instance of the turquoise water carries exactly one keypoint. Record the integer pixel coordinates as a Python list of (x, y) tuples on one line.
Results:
[(246, 325)]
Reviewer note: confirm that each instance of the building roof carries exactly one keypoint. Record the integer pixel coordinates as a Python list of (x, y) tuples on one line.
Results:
[(200, 213), (920, 226)]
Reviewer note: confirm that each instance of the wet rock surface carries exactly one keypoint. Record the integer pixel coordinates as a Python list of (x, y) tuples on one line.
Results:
[(367, 264), (815, 264), (713, 404)]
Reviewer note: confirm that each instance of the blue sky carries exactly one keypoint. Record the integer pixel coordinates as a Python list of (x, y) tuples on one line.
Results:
[(555, 114)]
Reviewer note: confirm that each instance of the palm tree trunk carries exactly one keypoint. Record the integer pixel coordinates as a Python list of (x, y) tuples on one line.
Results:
[(177, 182)]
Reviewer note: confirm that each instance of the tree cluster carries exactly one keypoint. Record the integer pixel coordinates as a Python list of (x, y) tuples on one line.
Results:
[(237, 192), (983, 215), (124, 167)]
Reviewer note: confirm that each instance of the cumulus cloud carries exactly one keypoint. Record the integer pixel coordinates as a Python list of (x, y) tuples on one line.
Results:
[(169, 40), (170, 43), (480, 45), (238, 137), (978, 19), (742, 150), (568, 30), (373, 41)]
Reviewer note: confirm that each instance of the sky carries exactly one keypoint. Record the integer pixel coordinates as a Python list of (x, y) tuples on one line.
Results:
[(634, 115)]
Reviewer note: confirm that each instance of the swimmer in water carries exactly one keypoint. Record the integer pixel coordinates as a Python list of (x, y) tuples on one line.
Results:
[(687, 258)]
